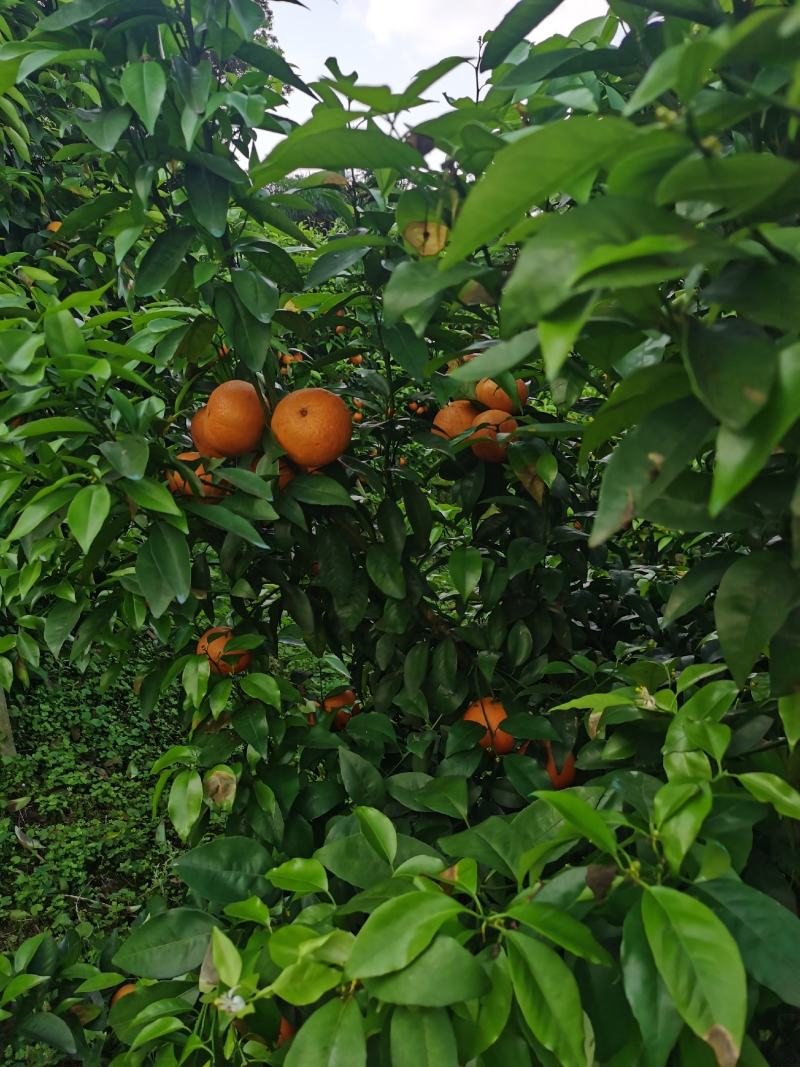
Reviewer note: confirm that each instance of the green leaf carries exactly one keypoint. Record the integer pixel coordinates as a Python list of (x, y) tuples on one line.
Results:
[(397, 932), (515, 27), (742, 453), (87, 513), (561, 928), (379, 831), (732, 365), (47, 1027), (185, 802), (422, 1038), (504, 356), (227, 961), (162, 259), (636, 395), (226, 869), (258, 294), (103, 128), (538, 164), (465, 566), (770, 789), (753, 600), (299, 876), (128, 456), (701, 967), (35, 514), (168, 944), (738, 182), (164, 568), (418, 284), (548, 995), (144, 86), (62, 334), (646, 462), (59, 624), (331, 264), (410, 351), (52, 426), (306, 981), (262, 687), (691, 591), (225, 519), (332, 1037), (334, 150), (445, 973), (208, 196), (363, 782), (647, 995), (386, 571), (584, 818), (789, 710), (319, 489), (158, 1028), (767, 933)]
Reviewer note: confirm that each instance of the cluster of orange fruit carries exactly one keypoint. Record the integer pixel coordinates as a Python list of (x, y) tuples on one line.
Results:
[(460, 416), (342, 705), (312, 426), (490, 713)]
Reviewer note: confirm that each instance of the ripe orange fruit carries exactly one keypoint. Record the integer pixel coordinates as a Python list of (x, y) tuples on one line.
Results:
[(176, 483), (402, 461), (233, 422), (340, 313), (53, 227), (357, 403), (490, 713), (561, 779), (214, 643), (198, 431), (341, 329), (413, 405), (358, 417), (454, 418), (356, 360), (489, 393), (284, 358), (312, 426), (489, 424), (422, 409), (123, 991), (337, 702), (286, 1031), (297, 357)]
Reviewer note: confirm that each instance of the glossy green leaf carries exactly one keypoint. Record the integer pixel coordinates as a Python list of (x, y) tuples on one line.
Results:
[(226, 869), (162, 259), (701, 967), (168, 944), (770, 789), (332, 1037), (87, 513), (647, 995), (299, 876), (548, 996), (397, 932), (515, 26), (144, 86), (422, 1038)]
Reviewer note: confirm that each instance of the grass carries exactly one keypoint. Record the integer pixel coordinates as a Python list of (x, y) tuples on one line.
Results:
[(78, 846)]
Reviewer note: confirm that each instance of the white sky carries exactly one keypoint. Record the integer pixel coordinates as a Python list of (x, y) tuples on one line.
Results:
[(388, 41)]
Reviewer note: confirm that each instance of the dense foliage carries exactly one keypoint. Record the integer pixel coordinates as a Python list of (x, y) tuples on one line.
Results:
[(371, 877)]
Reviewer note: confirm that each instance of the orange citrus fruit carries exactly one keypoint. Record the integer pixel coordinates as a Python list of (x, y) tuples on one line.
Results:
[(338, 702), (53, 227), (454, 418), (176, 483), (214, 643), (490, 713), (234, 420), (489, 393), (561, 779), (484, 441), (198, 432), (123, 991), (285, 1032), (312, 426)]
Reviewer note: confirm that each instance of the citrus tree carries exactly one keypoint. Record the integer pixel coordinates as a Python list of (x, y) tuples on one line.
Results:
[(422, 509)]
